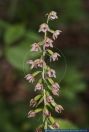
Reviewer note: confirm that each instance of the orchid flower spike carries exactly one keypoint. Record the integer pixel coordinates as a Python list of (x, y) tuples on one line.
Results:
[(43, 76)]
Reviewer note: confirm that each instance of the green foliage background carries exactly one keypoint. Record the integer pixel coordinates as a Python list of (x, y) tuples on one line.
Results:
[(17, 33)]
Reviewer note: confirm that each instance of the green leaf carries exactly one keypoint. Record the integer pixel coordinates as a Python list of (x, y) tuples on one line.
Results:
[(14, 33), (18, 56), (33, 36)]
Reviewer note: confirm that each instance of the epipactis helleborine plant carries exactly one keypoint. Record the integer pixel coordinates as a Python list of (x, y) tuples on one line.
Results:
[(46, 86)]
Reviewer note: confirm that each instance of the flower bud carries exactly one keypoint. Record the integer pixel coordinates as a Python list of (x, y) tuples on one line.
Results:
[(56, 33), (39, 86), (31, 114)]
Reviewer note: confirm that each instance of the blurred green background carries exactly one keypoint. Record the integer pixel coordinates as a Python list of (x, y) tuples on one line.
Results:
[(19, 23)]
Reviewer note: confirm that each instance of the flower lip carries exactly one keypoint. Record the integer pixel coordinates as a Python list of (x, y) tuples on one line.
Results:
[(48, 43), (51, 73), (39, 62), (49, 99)]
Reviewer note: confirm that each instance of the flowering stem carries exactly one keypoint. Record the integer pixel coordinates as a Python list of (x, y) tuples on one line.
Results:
[(45, 95)]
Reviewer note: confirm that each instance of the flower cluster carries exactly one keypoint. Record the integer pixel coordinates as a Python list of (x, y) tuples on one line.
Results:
[(46, 84)]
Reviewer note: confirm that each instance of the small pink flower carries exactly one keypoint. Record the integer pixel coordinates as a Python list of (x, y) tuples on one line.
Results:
[(58, 108), (31, 114), (39, 63), (36, 63), (48, 43), (56, 85), (51, 73), (31, 62), (30, 78), (53, 15), (54, 56), (39, 86), (55, 89), (49, 99), (35, 47), (55, 125), (44, 28), (56, 33)]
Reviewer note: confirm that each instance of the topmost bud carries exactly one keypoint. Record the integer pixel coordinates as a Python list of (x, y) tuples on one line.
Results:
[(52, 15)]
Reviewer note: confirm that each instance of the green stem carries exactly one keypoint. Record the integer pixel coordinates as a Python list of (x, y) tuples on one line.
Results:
[(44, 92), (43, 76)]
